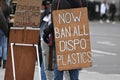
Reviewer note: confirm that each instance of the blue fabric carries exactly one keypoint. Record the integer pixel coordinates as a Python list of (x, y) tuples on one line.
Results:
[(1, 32), (43, 75), (59, 74), (3, 46)]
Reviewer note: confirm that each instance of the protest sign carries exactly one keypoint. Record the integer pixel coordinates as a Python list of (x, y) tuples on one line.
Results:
[(72, 39), (27, 13)]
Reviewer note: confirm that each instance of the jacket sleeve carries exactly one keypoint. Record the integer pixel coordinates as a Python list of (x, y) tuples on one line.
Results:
[(49, 29), (3, 23)]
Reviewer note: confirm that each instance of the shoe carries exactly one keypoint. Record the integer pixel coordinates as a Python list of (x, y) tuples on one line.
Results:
[(4, 64), (107, 21), (113, 22), (101, 21)]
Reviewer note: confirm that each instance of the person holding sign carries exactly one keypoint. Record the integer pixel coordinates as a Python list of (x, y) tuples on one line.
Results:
[(57, 5)]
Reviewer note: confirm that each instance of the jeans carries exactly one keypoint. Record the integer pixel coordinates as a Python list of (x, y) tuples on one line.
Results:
[(3, 46), (43, 75), (45, 56), (74, 74)]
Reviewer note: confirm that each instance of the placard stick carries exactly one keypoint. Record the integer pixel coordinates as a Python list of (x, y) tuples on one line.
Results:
[(38, 61), (13, 63)]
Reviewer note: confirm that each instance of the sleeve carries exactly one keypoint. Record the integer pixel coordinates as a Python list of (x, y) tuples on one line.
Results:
[(3, 23)]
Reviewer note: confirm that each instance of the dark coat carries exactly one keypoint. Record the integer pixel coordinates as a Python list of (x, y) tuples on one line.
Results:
[(112, 8), (67, 4), (3, 23), (4, 14)]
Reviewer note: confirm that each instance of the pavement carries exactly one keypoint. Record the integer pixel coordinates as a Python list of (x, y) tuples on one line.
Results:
[(84, 75)]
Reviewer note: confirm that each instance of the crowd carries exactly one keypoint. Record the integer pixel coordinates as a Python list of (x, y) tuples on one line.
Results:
[(106, 9), (46, 45), (102, 11)]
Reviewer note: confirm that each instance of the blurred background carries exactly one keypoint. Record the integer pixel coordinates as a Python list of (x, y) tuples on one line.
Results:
[(94, 7)]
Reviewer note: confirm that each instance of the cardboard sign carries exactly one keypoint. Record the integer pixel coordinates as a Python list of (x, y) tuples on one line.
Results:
[(25, 59), (25, 36), (72, 39), (24, 56), (28, 13)]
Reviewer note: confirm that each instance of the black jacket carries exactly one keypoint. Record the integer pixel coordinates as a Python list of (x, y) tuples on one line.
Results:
[(67, 4), (3, 23), (112, 8)]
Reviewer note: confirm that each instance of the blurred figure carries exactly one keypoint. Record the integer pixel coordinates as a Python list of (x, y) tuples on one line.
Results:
[(112, 12), (103, 11), (91, 10), (45, 21), (4, 14)]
